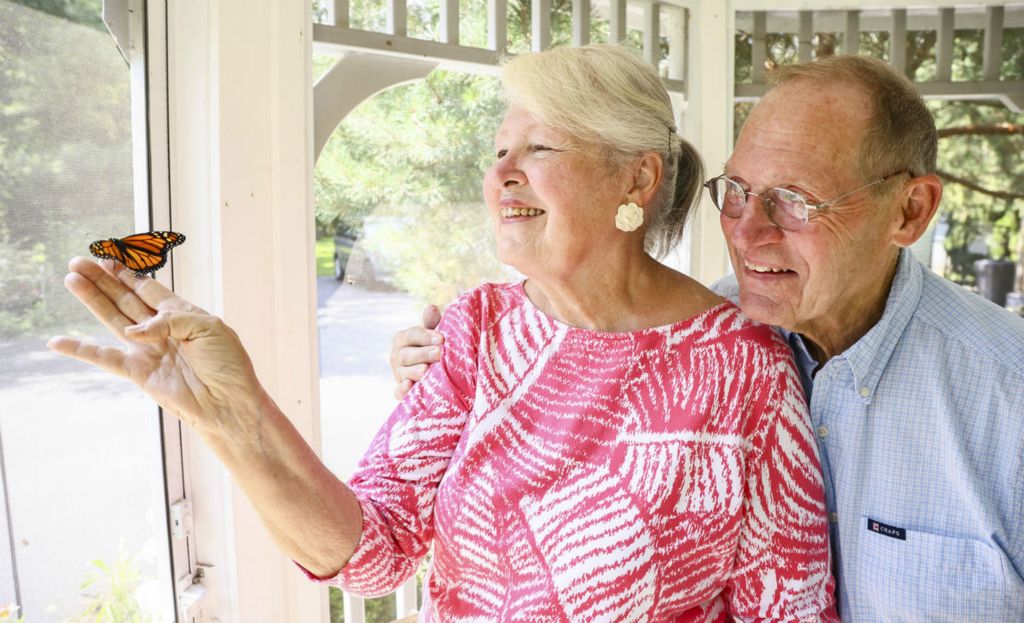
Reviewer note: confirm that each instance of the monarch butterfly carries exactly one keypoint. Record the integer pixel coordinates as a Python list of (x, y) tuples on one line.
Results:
[(143, 253)]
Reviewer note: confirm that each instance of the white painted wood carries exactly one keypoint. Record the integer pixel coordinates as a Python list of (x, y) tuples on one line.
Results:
[(449, 21), (805, 33), (9, 592), (898, 40), (759, 41), (150, 81), (357, 77), (341, 18), (497, 25), (708, 125), (397, 21), (992, 55), (851, 38), (540, 25), (617, 21), (405, 598), (339, 41), (354, 609), (973, 17), (652, 33), (845, 5), (240, 102), (580, 22), (944, 46), (676, 33)]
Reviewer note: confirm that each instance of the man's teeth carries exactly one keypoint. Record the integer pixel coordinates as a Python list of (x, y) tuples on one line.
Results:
[(511, 212), (765, 269)]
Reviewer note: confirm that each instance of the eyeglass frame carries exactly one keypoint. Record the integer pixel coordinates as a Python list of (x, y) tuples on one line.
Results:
[(808, 206)]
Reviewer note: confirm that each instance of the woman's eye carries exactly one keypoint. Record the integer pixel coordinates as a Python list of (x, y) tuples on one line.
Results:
[(539, 148)]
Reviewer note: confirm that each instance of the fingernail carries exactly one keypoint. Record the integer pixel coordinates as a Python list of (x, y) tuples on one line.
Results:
[(436, 339), (135, 328), (434, 353)]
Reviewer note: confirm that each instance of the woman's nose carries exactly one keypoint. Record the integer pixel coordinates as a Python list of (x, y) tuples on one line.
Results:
[(506, 172)]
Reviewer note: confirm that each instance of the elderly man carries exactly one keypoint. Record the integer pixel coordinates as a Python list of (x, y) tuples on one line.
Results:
[(916, 386)]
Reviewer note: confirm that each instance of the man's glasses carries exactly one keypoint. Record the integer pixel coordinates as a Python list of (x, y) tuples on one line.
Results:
[(786, 208)]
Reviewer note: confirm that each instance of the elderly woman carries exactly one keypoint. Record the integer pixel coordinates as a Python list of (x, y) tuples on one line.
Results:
[(605, 441)]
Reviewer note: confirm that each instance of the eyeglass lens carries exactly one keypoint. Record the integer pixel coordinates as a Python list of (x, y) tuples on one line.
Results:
[(785, 208)]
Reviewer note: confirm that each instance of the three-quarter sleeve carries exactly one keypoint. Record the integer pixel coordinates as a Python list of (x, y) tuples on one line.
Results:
[(397, 478), (782, 570)]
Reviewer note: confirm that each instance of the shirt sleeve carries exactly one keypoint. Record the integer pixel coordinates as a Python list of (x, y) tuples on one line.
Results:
[(397, 478), (782, 570)]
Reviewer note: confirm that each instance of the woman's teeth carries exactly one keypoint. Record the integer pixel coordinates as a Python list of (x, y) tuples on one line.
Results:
[(512, 212)]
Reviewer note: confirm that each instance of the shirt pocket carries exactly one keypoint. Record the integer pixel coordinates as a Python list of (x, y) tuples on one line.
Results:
[(933, 578)]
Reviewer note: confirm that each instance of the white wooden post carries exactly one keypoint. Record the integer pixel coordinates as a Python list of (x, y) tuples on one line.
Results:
[(652, 33), (898, 40), (449, 21), (580, 22), (497, 25), (992, 59), (759, 52), (805, 35), (709, 120), (341, 13), (540, 25), (944, 47), (397, 18), (617, 21), (851, 39)]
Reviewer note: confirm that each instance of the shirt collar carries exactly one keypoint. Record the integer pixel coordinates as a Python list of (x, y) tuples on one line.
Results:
[(870, 354)]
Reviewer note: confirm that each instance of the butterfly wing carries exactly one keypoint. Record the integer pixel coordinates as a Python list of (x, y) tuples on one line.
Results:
[(144, 253)]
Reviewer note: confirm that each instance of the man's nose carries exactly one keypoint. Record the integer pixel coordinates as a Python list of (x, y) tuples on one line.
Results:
[(754, 226)]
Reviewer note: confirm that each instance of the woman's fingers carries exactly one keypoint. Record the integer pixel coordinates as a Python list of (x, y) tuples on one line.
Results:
[(98, 302), (110, 359), (150, 291), (102, 278)]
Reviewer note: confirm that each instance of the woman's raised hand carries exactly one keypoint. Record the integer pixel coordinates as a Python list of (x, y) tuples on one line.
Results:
[(186, 359)]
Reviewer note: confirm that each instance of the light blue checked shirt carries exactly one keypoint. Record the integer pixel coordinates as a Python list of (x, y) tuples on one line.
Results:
[(920, 425)]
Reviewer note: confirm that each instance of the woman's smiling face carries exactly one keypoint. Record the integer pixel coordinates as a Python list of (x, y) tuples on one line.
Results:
[(553, 198)]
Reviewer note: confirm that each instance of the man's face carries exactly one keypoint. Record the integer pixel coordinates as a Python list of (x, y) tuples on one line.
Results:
[(805, 137)]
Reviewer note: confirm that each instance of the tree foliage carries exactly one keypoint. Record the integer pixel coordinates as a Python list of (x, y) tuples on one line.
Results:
[(65, 154)]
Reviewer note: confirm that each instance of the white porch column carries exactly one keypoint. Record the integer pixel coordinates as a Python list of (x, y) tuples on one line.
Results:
[(708, 124), (241, 130)]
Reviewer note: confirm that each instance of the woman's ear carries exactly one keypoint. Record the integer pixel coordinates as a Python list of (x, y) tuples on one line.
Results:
[(646, 179), (920, 201)]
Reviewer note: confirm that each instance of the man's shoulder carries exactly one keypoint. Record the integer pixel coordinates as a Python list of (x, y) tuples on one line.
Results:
[(965, 318), (728, 288)]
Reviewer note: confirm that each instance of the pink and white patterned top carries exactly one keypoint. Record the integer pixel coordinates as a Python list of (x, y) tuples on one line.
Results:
[(564, 474)]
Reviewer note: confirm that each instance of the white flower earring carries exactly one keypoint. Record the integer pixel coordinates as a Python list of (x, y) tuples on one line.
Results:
[(629, 217)]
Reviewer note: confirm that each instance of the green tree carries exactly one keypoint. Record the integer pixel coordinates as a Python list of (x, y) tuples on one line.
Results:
[(65, 153)]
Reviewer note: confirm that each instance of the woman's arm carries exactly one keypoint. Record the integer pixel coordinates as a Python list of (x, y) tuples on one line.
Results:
[(195, 367), (782, 570)]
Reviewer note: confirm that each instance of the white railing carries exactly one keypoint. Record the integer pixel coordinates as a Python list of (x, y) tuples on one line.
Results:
[(898, 22), (660, 25)]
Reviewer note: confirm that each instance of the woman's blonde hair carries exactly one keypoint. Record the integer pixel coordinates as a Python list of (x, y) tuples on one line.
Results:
[(604, 95)]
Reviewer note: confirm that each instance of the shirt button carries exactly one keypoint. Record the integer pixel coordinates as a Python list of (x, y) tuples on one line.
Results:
[(823, 431), (865, 392), (833, 517)]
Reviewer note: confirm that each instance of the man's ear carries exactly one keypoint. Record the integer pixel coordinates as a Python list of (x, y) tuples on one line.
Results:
[(647, 174), (920, 201)]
